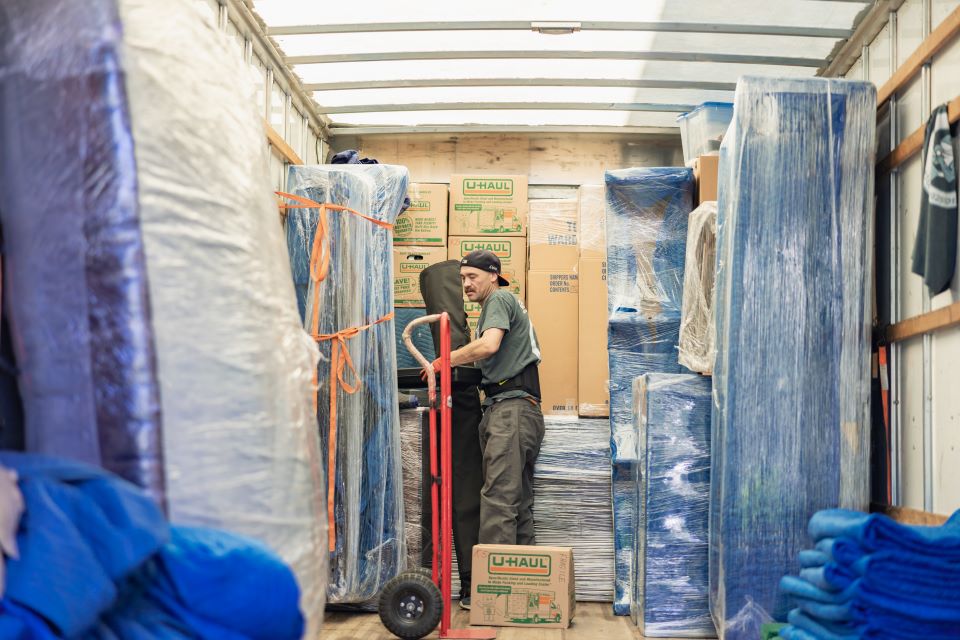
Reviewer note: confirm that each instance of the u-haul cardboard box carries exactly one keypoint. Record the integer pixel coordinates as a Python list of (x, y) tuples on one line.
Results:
[(408, 262), (424, 224), (519, 586), (488, 205), (552, 301), (512, 252)]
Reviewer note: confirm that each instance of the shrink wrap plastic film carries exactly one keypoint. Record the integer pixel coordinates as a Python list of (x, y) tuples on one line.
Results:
[(571, 483), (415, 454), (696, 324), (552, 234), (791, 379), (592, 221), (149, 292), (670, 577), (357, 293), (646, 229)]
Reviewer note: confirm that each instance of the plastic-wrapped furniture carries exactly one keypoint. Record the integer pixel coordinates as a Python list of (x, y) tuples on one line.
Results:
[(697, 333), (670, 579), (647, 211), (791, 379), (150, 298), (344, 280), (646, 230), (572, 488)]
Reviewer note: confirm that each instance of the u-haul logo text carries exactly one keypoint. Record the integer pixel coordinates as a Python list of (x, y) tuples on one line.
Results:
[(519, 564), (419, 205), (487, 187), (499, 248)]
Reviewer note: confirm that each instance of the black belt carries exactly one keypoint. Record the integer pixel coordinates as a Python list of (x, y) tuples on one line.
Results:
[(527, 381)]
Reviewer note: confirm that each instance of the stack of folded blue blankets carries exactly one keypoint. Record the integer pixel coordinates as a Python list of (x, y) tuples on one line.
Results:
[(871, 577)]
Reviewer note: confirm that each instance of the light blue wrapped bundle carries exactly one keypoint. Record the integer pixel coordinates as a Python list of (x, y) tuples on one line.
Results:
[(422, 338)]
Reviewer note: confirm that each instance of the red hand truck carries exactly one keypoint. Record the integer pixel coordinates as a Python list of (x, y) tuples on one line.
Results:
[(414, 602)]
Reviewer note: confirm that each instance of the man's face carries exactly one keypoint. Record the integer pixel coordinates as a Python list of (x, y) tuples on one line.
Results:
[(477, 283)]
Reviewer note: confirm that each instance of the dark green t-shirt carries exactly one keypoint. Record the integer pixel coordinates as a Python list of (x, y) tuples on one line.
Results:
[(519, 346)]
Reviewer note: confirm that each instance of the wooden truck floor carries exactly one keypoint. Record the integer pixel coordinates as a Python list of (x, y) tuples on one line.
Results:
[(593, 621)]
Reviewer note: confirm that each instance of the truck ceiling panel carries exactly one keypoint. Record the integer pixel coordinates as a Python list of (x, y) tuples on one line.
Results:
[(806, 13)]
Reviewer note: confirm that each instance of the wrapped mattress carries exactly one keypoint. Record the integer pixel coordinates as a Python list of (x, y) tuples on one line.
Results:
[(673, 494), (646, 230), (344, 281), (791, 379), (150, 298)]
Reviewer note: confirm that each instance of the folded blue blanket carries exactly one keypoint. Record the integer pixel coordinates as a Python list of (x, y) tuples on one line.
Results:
[(875, 532)]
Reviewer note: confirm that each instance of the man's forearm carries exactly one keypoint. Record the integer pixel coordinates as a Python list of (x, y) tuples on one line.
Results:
[(470, 353)]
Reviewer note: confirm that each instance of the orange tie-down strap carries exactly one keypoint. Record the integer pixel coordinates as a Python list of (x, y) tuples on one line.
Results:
[(340, 360)]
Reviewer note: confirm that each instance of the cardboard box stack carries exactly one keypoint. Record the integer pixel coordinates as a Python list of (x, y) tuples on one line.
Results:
[(553, 294), (490, 212), (593, 365)]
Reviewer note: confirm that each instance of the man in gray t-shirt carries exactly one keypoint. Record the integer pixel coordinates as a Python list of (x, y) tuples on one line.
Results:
[(511, 431)]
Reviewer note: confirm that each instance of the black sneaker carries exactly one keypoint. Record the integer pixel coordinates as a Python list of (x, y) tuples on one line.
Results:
[(465, 603)]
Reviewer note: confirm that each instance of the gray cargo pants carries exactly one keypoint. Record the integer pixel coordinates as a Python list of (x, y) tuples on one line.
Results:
[(510, 435)]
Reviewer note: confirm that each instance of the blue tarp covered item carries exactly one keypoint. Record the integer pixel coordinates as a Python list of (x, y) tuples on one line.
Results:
[(646, 221), (572, 488), (357, 292), (149, 296), (97, 560), (422, 338), (791, 379), (879, 579), (670, 579)]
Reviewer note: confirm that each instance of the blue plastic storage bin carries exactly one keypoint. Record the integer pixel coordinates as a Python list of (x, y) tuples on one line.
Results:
[(702, 128)]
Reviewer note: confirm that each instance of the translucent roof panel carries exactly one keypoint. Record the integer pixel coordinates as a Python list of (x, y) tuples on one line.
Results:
[(545, 62)]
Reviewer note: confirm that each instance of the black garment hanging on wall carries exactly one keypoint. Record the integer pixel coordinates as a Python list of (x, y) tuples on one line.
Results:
[(935, 251)]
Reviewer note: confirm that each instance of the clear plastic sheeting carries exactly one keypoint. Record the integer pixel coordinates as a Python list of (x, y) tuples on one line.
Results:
[(148, 283), (673, 494), (348, 310), (592, 221), (572, 488), (791, 380), (415, 454), (697, 333), (647, 211), (646, 231)]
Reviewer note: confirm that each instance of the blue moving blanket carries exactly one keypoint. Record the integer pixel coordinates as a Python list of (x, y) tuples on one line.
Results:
[(98, 560), (422, 338), (792, 311)]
